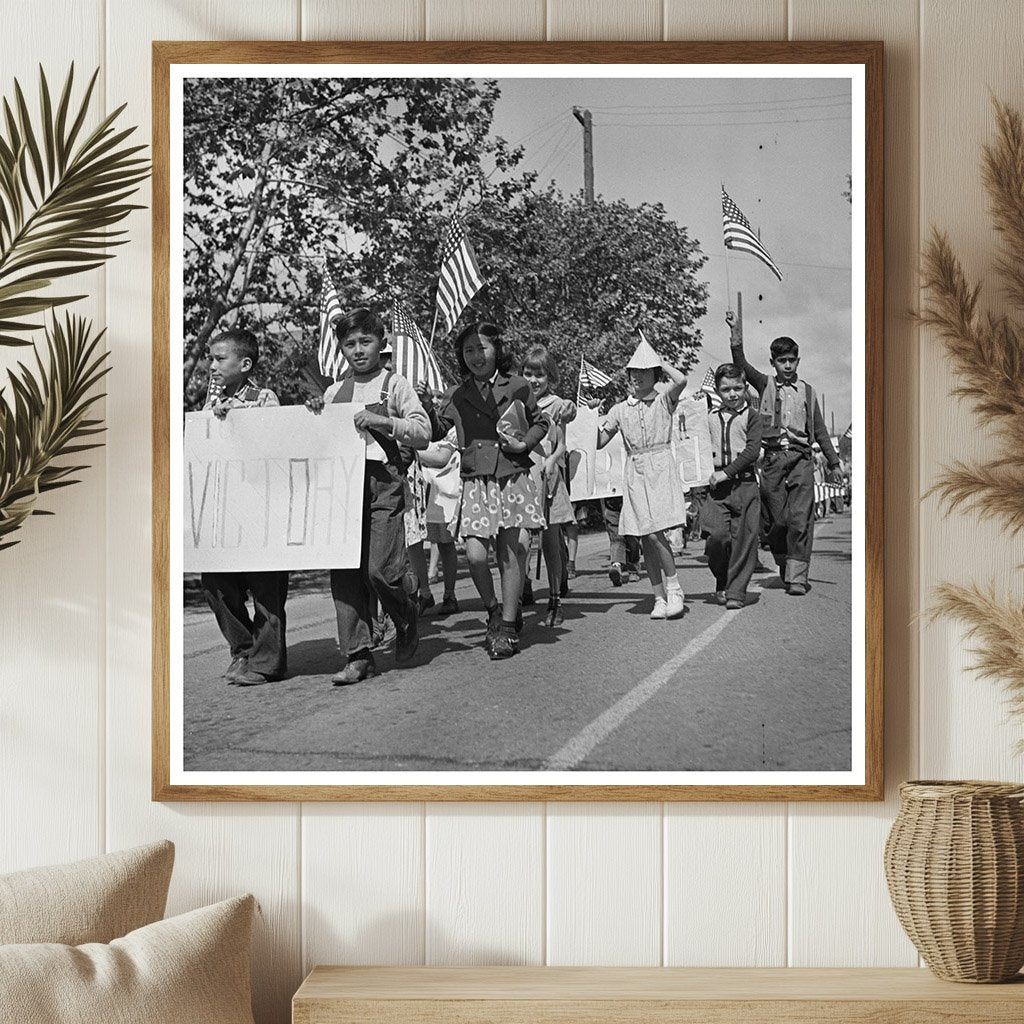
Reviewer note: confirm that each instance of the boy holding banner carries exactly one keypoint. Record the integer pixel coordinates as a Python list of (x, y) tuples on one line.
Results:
[(396, 423), (257, 643)]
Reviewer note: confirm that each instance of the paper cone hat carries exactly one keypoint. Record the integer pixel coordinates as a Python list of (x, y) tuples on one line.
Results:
[(644, 358)]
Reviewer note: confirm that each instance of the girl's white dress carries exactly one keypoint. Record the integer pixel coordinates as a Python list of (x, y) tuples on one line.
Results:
[(654, 498)]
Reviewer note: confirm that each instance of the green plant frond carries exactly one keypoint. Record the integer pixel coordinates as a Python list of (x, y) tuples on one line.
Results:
[(72, 136), (14, 340), (31, 146), (44, 419), (46, 119), (63, 188)]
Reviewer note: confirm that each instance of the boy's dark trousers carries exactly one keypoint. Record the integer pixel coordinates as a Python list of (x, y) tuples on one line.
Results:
[(260, 639), (624, 550), (383, 563), (731, 517), (787, 483)]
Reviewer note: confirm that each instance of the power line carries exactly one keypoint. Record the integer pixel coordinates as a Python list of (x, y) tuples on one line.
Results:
[(721, 103), (714, 124), (753, 108)]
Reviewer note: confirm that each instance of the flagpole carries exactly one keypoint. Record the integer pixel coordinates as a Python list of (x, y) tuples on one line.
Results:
[(433, 326), (579, 386), (728, 286)]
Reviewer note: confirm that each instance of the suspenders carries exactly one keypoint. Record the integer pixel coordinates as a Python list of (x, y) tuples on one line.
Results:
[(809, 401), (397, 456)]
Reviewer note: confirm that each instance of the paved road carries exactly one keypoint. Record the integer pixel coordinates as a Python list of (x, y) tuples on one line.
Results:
[(765, 688)]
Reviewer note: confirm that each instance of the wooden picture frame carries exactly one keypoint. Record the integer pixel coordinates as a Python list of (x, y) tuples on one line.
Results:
[(168, 782)]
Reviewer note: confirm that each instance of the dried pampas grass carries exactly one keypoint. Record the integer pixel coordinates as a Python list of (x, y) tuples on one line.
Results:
[(987, 356)]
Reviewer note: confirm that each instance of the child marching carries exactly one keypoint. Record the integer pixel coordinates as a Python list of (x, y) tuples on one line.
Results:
[(791, 423), (541, 372), (394, 419), (653, 501), (498, 424), (731, 515), (257, 643)]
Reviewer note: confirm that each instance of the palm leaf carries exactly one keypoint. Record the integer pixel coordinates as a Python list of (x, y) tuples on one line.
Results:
[(45, 419), (62, 191)]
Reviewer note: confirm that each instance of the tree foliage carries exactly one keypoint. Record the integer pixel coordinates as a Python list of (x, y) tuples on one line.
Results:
[(372, 170), (279, 171)]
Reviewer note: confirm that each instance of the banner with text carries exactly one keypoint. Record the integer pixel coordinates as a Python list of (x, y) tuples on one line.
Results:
[(275, 488), (691, 442), (593, 472)]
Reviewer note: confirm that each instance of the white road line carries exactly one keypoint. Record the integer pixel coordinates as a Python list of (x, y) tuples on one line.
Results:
[(608, 721)]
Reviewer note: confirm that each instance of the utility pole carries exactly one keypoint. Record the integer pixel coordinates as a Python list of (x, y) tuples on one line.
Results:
[(584, 118)]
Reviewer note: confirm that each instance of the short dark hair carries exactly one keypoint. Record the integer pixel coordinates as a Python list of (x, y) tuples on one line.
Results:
[(539, 357), (784, 347), (485, 329), (359, 319), (243, 343), (729, 371)]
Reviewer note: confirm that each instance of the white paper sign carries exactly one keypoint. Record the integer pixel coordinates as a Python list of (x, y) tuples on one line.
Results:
[(593, 472), (274, 488), (691, 442)]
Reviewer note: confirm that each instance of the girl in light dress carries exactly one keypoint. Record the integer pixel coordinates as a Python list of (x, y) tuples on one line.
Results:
[(541, 372), (654, 501)]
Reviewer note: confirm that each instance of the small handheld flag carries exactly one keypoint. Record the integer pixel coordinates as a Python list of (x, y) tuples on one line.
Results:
[(707, 387), (413, 358), (739, 235), (460, 277), (329, 356), (591, 378)]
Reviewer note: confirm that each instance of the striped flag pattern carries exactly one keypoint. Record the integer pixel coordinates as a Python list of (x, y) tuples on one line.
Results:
[(213, 390), (332, 362), (591, 378), (459, 277), (413, 358), (739, 235), (707, 387)]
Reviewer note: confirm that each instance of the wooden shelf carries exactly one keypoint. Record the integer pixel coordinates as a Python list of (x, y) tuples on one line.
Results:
[(637, 995)]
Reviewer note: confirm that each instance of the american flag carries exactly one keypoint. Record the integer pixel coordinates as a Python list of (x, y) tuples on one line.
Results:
[(460, 277), (213, 389), (591, 378), (739, 235), (332, 362), (413, 358), (707, 387)]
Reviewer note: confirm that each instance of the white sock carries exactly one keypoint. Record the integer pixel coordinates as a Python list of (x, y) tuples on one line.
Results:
[(659, 590), (672, 585)]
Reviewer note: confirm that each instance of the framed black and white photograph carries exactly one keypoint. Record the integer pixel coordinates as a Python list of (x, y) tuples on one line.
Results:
[(517, 421)]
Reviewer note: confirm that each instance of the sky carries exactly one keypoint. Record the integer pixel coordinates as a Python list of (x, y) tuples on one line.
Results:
[(782, 149)]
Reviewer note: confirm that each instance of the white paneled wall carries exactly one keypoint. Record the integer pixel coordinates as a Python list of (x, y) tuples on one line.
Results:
[(736, 884)]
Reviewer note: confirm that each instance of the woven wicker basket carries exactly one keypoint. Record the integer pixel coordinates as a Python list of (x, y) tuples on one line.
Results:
[(954, 861)]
